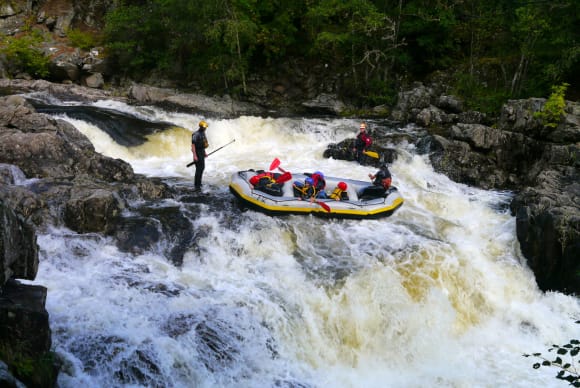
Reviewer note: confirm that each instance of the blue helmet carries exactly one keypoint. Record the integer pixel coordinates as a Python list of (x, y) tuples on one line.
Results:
[(309, 180), (320, 173)]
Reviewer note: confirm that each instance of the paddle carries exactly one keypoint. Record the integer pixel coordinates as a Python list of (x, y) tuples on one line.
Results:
[(192, 163), (323, 205), (284, 177), (275, 163), (372, 154)]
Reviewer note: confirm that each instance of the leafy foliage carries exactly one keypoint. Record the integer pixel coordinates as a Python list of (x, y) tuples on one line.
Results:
[(83, 40), (479, 96), (553, 111), (497, 49), (568, 370), (24, 54)]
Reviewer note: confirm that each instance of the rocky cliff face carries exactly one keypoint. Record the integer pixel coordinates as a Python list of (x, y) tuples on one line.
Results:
[(56, 16), (54, 19), (24, 330)]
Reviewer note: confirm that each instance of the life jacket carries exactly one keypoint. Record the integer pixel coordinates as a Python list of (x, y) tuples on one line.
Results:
[(263, 179), (337, 194), (303, 191), (319, 182), (387, 183), (363, 140), (199, 140)]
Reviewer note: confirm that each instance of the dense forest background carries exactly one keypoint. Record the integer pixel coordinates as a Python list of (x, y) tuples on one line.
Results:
[(488, 50)]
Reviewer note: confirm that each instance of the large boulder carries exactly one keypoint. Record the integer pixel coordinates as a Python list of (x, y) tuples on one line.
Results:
[(74, 186), (44, 147), (24, 327), (548, 228), (26, 336)]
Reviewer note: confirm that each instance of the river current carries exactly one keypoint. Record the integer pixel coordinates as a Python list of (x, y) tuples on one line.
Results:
[(437, 295)]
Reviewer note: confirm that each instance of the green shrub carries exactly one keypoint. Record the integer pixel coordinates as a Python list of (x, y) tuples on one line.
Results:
[(83, 40), (553, 111), (23, 54)]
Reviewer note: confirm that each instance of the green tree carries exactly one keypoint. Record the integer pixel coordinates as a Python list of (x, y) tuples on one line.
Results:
[(136, 38), (352, 35), (531, 23), (280, 31), (234, 35)]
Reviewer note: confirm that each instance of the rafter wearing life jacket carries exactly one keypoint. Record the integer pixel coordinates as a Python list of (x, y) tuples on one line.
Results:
[(267, 182), (263, 179), (319, 184), (339, 193), (305, 190)]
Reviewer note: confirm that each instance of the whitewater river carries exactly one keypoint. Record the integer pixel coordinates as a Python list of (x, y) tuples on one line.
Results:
[(438, 295)]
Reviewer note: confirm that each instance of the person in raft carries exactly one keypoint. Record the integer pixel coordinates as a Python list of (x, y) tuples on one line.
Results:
[(339, 193), (267, 182), (319, 184), (382, 178), (381, 183), (306, 190)]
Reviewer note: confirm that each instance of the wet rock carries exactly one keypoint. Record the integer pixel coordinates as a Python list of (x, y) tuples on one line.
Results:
[(325, 104), (221, 106), (92, 208), (18, 248), (26, 334), (548, 229)]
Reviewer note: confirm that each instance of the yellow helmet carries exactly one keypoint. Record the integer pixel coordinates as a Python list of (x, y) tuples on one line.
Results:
[(203, 124)]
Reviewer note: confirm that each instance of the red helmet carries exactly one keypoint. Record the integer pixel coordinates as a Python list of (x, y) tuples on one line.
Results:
[(342, 186)]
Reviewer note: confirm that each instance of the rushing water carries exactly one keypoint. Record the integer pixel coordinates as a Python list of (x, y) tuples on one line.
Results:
[(437, 295)]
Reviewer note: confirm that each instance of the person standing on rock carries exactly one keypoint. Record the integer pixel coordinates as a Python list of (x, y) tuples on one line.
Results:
[(198, 146), (362, 142)]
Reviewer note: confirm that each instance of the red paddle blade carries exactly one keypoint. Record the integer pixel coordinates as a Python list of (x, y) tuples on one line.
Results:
[(275, 163), (284, 177), (323, 205)]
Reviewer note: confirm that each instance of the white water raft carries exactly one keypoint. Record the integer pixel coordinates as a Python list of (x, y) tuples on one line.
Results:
[(361, 202)]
